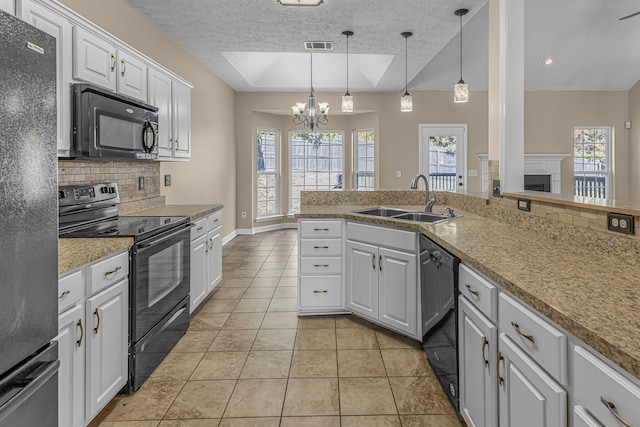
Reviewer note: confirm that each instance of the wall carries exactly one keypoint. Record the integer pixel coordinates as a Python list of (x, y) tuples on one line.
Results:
[(551, 116), (396, 132), (634, 143), (210, 176)]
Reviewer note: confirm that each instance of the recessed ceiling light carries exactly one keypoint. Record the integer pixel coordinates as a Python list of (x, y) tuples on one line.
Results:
[(300, 2), (549, 60)]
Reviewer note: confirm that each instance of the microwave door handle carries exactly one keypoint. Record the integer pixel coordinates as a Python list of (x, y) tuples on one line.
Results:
[(145, 137)]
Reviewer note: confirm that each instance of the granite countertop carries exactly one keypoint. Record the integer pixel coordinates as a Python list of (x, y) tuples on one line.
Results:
[(595, 299), (193, 211), (74, 253)]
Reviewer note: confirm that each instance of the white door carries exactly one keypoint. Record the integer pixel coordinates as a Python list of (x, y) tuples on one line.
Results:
[(397, 290), (71, 335), (132, 76), (362, 279), (181, 120), (94, 59), (214, 266), (160, 96), (107, 317), (477, 349), (528, 396), (199, 257), (443, 156)]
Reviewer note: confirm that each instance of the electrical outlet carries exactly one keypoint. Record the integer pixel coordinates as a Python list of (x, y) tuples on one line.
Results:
[(496, 188), (141, 183), (398, 173), (243, 215), (620, 223), (167, 180)]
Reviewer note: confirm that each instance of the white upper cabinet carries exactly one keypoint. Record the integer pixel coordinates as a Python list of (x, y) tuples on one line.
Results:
[(99, 61), (181, 100), (8, 6), (58, 26)]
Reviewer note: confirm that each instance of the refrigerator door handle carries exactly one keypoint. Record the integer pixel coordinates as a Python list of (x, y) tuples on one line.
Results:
[(25, 387)]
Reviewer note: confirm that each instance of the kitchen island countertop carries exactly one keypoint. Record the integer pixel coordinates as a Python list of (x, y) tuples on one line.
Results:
[(595, 299)]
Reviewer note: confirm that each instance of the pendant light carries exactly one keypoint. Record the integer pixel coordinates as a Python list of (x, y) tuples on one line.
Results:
[(347, 99), (461, 89), (406, 101)]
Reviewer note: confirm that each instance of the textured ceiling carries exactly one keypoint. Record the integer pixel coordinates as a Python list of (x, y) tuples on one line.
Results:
[(257, 45)]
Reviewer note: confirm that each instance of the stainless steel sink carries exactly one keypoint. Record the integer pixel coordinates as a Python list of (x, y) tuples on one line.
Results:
[(423, 217), (406, 215), (382, 211)]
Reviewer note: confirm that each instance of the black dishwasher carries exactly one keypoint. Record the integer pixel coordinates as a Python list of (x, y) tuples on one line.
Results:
[(439, 286)]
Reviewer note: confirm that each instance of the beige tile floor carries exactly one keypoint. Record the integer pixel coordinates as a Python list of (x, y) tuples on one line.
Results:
[(248, 360)]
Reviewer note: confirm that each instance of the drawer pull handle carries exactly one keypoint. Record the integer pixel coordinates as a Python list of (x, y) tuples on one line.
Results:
[(320, 229), (614, 411), (324, 291), (199, 228), (113, 62), (79, 342), (109, 273), (472, 291), (124, 67), (522, 334), (485, 342), (64, 294), (321, 247), (373, 261), (321, 265), (97, 314), (500, 358)]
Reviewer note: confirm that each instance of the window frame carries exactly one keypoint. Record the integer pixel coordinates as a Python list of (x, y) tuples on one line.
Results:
[(291, 170), (276, 174), (608, 173), (356, 158)]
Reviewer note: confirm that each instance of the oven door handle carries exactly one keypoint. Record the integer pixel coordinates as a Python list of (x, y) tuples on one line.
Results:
[(162, 238)]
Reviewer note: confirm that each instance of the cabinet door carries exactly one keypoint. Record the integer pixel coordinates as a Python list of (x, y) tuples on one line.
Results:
[(528, 396), (362, 279), (214, 264), (477, 352), (132, 76), (181, 99), (71, 334), (397, 290), (94, 59), (59, 27), (582, 418), (108, 325), (8, 6), (199, 255), (160, 96)]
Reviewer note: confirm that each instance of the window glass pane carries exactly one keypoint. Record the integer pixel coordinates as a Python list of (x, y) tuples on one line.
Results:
[(365, 160), (267, 193), (591, 162)]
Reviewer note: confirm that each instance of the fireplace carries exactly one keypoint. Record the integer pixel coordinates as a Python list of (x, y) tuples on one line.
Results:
[(537, 183)]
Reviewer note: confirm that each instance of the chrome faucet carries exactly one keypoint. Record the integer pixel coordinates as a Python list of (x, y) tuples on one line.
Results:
[(414, 184)]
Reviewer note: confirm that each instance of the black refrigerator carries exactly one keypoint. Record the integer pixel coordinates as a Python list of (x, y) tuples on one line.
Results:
[(28, 226)]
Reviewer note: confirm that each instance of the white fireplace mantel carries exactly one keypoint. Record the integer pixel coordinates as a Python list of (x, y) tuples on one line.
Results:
[(534, 164)]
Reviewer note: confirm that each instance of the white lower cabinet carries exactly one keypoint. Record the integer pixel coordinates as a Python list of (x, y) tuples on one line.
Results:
[(206, 257), (382, 277), (477, 355), (93, 336), (107, 351), (528, 396), (582, 418), (8, 6)]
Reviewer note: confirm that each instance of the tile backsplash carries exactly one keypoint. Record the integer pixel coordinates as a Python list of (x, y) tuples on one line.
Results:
[(125, 174)]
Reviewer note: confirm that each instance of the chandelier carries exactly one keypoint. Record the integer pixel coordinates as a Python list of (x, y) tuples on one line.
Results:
[(313, 116)]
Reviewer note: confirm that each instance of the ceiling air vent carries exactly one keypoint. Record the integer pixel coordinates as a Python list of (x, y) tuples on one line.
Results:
[(318, 45)]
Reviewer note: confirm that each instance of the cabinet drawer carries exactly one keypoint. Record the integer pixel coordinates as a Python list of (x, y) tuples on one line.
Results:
[(104, 273), (479, 290), (388, 237), (70, 290), (320, 291), (597, 383), (321, 247), (320, 229), (320, 266), (535, 335), (199, 228), (214, 220)]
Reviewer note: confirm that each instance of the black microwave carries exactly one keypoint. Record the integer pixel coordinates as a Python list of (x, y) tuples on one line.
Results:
[(108, 126)]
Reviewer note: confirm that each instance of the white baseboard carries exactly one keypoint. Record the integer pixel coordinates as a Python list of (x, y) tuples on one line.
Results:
[(229, 237)]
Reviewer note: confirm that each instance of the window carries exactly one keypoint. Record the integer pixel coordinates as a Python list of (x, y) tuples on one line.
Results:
[(267, 168), (442, 162), (315, 167), (591, 164), (364, 159)]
